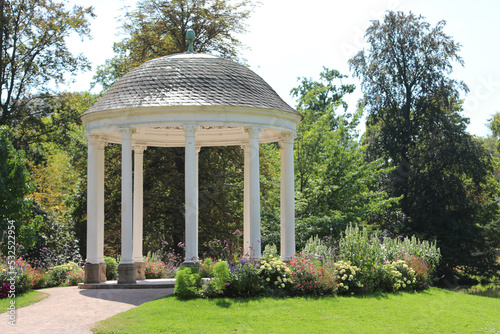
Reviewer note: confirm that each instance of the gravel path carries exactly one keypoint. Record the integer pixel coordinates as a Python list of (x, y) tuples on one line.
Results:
[(71, 310)]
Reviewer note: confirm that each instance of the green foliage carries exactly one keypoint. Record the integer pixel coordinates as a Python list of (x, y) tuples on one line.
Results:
[(64, 275), (334, 184), (111, 268), (244, 280), (158, 28), (220, 278), (270, 250), (206, 268), (442, 174), (399, 248), (187, 283), (15, 186), (316, 247), (362, 249), (34, 53)]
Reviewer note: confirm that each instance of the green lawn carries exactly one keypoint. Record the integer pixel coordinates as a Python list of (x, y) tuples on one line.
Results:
[(27, 298), (431, 311)]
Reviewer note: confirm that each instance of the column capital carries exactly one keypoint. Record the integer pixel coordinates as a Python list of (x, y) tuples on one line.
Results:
[(139, 149), (96, 140), (253, 132), (190, 129), (287, 138), (125, 131)]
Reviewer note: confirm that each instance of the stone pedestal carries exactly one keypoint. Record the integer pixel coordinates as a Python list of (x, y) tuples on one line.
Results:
[(95, 272), (139, 271), (102, 271), (126, 273), (195, 264)]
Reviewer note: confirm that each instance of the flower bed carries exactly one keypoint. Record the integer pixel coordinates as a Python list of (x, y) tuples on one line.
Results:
[(358, 263)]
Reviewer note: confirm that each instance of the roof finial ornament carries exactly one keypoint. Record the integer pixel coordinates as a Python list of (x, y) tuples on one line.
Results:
[(190, 37)]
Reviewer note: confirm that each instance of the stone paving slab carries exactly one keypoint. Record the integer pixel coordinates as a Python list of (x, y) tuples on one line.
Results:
[(140, 284), (73, 310)]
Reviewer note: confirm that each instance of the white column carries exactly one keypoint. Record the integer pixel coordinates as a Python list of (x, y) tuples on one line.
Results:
[(127, 197), (100, 201), (138, 202), (254, 192), (197, 191), (246, 200), (92, 201), (191, 198), (287, 197)]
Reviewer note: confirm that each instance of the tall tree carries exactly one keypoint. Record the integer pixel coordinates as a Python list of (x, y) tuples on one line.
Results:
[(15, 187), (158, 28), (335, 186), (414, 123), (33, 51)]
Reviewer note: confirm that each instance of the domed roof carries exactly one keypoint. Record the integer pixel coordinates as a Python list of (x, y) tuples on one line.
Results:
[(190, 79)]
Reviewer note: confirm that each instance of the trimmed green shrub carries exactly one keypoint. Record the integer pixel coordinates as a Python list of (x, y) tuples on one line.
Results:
[(111, 268), (64, 275), (221, 277), (187, 283)]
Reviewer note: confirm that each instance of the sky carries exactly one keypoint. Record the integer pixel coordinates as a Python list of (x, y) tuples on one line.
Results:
[(292, 39)]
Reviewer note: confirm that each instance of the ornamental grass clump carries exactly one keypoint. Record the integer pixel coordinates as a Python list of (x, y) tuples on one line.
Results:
[(402, 248), (360, 248)]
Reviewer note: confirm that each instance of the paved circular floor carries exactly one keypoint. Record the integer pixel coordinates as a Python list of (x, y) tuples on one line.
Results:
[(72, 310)]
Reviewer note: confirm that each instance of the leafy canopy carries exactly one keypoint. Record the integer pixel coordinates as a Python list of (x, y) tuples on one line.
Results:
[(33, 51), (158, 28), (334, 184), (443, 174)]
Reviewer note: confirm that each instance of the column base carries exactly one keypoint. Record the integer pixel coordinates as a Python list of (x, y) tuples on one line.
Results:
[(126, 273), (95, 272), (191, 264), (139, 270), (102, 271)]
